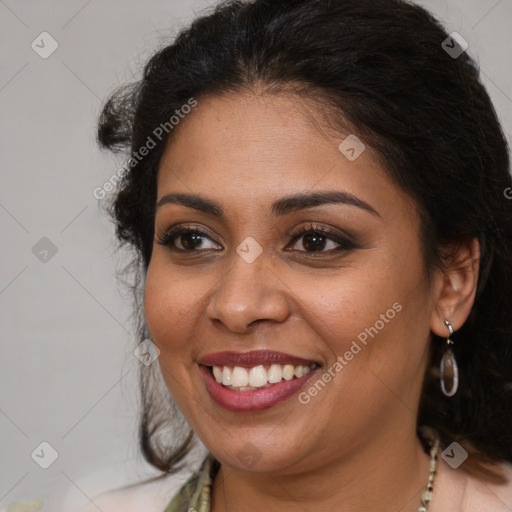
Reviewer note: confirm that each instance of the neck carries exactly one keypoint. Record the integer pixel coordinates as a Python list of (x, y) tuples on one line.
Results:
[(387, 475)]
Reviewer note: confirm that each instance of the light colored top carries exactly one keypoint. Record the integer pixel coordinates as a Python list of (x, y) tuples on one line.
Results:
[(454, 491), (195, 494)]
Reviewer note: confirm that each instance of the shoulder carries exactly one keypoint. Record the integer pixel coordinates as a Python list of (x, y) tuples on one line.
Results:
[(149, 496), (482, 495), (465, 492)]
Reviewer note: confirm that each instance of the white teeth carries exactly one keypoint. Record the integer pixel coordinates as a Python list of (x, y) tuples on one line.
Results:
[(217, 373), (288, 371), (299, 371), (240, 378), (257, 376), (226, 376), (275, 373)]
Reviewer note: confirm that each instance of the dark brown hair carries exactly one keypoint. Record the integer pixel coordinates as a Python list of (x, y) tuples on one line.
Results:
[(381, 66)]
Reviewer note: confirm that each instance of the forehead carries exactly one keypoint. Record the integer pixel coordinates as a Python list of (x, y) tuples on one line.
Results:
[(263, 147)]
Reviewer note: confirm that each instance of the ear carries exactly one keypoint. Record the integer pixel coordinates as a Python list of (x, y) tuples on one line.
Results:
[(456, 286)]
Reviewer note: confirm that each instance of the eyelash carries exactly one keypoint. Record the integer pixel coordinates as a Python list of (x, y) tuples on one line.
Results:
[(344, 243)]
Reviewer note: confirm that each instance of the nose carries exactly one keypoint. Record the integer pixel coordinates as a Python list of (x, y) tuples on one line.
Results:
[(248, 293)]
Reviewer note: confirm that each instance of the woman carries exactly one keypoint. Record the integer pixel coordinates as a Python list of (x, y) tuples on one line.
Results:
[(317, 200)]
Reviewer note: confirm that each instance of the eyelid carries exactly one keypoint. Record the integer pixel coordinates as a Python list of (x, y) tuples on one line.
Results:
[(189, 227), (344, 240), (317, 228), (174, 231)]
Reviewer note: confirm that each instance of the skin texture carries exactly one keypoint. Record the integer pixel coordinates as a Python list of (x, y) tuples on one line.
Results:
[(245, 151)]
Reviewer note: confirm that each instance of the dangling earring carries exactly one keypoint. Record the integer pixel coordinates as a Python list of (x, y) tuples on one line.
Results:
[(449, 368)]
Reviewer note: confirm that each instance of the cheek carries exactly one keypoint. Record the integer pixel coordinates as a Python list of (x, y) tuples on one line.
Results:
[(167, 300), (166, 306), (175, 302), (342, 308), (378, 313)]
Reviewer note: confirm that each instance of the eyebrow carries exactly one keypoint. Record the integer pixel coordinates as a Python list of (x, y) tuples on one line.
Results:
[(281, 207)]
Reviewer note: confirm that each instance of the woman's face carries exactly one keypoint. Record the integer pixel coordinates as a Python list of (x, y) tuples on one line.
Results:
[(334, 280)]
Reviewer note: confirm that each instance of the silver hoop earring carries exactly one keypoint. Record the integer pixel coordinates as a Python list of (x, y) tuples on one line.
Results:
[(449, 368)]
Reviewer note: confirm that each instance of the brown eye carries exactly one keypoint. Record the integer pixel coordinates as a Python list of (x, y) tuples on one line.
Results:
[(187, 240), (320, 240), (190, 241), (314, 242)]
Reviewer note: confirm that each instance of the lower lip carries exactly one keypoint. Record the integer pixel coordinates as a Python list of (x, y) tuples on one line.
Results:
[(245, 401)]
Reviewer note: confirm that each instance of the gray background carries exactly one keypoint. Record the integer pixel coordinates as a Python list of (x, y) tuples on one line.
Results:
[(68, 375)]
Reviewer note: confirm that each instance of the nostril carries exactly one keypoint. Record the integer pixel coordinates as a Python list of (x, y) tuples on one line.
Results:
[(255, 322)]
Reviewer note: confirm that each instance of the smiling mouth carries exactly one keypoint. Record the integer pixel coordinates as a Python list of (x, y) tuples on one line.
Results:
[(240, 378), (251, 381)]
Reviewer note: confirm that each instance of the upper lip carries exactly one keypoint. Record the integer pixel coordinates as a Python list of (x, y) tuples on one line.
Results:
[(252, 358)]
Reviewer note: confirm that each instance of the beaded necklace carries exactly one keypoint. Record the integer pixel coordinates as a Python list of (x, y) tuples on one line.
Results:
[(195, 494)]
